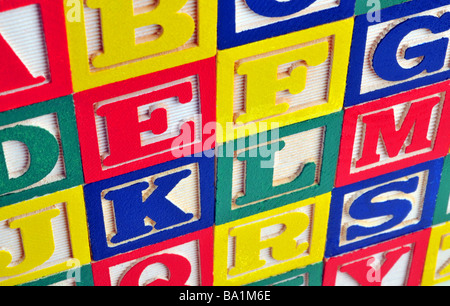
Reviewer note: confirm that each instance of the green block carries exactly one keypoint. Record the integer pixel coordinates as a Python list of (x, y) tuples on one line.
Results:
[(49, 133), (365, 6), (257, 152)]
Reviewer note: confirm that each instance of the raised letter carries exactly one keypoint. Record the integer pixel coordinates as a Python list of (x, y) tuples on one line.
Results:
[(119, 42)]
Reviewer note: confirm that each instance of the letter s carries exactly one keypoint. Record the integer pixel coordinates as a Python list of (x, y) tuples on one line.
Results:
[(363, 208)]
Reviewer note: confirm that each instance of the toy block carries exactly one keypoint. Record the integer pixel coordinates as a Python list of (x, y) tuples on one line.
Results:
[(370, 7), (397, 262), (437, 269), (382, 208), (79, 277), (442, 210), (145, 121), (33, 44), (271, 243), (282, 80), (405, 49), (39, 151), (183, 261), (43, 236), (150, 36), (394, 133), (275, 168), (151, 205), (311, 276), (245, 21)]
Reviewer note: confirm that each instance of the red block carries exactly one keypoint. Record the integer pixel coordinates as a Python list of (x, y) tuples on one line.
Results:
[(394, 133), (146, 121), (187, 260), (397, 262), (34, 62)]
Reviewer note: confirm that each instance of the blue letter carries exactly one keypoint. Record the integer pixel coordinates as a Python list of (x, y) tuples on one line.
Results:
[(385, 61), (363, 208), (130, 211), (274, 8)]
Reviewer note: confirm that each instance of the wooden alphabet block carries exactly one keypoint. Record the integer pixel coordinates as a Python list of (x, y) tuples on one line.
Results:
[(114, 41), (437, 268), (397, 262), (442, 210), (146, 121), (283, 80), (246, 21), (78, 276), (151, 205), (311, 276), (39, 151), (394, 133), (403, 50), (276, 168), (271, 243), (33, 44), (383, 208), (370, 7), (183, 261), (43, 236)]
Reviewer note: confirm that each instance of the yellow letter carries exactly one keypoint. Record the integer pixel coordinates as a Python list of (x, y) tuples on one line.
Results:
[(37, 241), (263, 80), (284, 246), (119, 23)]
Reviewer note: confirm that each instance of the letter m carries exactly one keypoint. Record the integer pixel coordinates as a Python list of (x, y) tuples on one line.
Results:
[(411, 133)]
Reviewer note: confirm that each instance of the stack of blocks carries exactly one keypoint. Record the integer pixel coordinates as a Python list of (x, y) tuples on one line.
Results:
[(224, 142)]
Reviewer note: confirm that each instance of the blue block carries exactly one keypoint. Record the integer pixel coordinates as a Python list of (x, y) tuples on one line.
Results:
[(384, 60), (228, 37), (382, 208), (141, 209)]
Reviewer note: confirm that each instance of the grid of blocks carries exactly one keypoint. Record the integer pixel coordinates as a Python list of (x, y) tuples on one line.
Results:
[(224, 142)]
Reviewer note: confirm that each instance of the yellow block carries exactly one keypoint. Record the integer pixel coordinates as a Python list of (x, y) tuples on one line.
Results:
[(282, 80), (43, 236), (437, 263), (271, 243), (127, 41)]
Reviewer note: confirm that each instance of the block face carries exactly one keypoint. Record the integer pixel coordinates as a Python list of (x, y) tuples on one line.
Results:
[(282, 80), (39, 150), (150, 205), (311, 276), (35, 61), (246, 21), (394, 133), (280, 167), (270, 243), (43, 236), (146, 121), (79, 277), (397, 262), (183, 261), (153, 36), (383, 208), (437, 270), (386, 56), (442, 211)]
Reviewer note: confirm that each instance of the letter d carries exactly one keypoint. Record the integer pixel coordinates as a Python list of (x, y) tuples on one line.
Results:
[(43, 151)]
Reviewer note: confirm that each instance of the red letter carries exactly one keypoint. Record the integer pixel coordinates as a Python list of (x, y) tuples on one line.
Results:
[(418, 117), (124, 128), (13, 73), (178, 266)]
